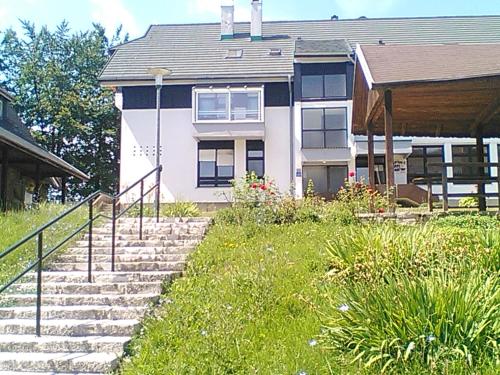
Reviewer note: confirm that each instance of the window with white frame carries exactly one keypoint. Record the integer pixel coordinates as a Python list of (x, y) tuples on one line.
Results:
[(229, 105)]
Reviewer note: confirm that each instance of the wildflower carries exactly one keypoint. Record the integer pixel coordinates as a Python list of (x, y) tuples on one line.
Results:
[(302, 373), (313, 342), (431, 338), (254, 186), (263, 187), (381, 210), (344, 307), (352, 174), (411, 346), (203, 332)]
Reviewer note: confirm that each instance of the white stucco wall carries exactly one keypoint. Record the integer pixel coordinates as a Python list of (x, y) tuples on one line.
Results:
[(180, 153)]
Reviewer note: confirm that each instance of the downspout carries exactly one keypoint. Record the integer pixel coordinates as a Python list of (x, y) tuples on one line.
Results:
[(292, 137)]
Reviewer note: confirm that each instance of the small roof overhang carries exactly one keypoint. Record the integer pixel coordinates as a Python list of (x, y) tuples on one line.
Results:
[(437, 90), (25, 155)]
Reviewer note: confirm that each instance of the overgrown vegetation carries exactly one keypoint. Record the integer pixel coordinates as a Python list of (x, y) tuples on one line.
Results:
[(15, 225), (176, 209), (301, 287)]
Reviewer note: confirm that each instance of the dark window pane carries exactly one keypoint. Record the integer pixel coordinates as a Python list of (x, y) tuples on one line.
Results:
[(255, 154), (312, 86), (434, 151), (335, 85), (336, 139), (336, 178), (335, 118), (319, 177), (256, 166), (312, 119), (416, 166), (207, 169), (313, 139)]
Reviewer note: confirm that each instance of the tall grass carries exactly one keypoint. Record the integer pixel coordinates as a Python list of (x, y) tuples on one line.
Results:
[(15, 225)]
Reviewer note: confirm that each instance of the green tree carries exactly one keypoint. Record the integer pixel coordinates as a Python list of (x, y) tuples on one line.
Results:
[(54, 77)]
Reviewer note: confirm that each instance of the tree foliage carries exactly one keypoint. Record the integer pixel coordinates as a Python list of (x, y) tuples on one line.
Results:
[(54, 77)]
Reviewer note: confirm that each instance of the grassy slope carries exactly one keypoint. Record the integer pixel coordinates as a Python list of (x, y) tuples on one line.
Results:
[(244, 307), (17, 224)]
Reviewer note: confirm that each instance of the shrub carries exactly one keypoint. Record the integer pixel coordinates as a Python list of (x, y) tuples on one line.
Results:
[(176, 209), (359, 197), (468, 221), (429, 321), (468, 202)]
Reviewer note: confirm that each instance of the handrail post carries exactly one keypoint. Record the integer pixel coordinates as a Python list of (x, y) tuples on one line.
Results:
[(113, 235), (158, 183), (498, 185), (444, 180), (91, 222), (39, 285), (141, 210)]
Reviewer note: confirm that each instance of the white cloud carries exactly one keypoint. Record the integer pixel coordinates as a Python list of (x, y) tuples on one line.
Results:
[(3, 12), (212, 8), (113, 13), (358, 8)]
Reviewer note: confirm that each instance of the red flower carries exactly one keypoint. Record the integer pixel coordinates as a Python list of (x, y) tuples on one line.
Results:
[(254, 186), (381, 210), (352, 174), (263, 187)]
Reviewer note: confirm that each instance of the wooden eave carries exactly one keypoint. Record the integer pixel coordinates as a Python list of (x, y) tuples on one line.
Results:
[(448, 108)]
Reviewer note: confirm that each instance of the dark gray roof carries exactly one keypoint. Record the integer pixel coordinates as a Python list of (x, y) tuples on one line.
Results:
[(335, 47), (11, 121), (195, 51)]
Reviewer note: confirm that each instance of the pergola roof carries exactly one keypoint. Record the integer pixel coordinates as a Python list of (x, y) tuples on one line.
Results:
[(437, 90)]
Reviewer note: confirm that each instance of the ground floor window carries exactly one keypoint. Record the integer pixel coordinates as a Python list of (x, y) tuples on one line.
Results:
[(255, 158), (419, 160), (467, 154), (215, 163), (362, 169), (327, 180)]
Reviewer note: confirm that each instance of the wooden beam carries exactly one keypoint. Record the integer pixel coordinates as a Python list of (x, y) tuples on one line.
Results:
[(36, 194), (389, 149), (63, 190), (485, 115), (371, 156), (4, 179), (374, 107)]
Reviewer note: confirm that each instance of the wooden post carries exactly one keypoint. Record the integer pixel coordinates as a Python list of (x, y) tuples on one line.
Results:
[(444, 181), (389, 149), (36, 193), (429, 194), (371, 163), (498, 185), (3, 179), (481, 189), (63, 190)]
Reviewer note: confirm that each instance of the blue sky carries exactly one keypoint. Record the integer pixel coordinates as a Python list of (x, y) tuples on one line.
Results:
[(136, 15)]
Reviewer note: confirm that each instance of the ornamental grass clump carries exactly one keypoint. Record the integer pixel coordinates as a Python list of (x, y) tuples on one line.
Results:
[(433, 323)]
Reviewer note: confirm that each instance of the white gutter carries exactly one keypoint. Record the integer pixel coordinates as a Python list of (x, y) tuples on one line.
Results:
[(364, 66)]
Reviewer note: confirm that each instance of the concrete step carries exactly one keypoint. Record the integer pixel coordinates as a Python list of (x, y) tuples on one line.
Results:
[(9, 300), (70, 327), (119, 266), (62, 344), (103, 277), (130, 250), (145, 237), (46, 373), (86, 288), (59, 362), (74, 312), (120, 258), (138, 243)]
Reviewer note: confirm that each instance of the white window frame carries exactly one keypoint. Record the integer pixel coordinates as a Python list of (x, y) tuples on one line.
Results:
[(229, 91)]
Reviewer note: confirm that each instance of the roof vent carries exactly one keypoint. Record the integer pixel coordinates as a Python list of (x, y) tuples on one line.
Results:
[(335, 17), (234, 54), (275, 52)]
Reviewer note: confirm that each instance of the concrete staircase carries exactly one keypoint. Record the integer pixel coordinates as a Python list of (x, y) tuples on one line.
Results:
[(86, 326)]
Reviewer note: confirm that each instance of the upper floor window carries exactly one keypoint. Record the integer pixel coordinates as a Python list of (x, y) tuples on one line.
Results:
[(419, 160), (467, 154), (324, 86), (229, 105), (324, 127)]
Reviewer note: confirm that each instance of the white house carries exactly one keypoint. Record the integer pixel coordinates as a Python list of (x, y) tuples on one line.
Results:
[(271, 97)]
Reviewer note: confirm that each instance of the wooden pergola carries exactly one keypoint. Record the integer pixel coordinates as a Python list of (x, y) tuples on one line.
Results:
[(426, 90)]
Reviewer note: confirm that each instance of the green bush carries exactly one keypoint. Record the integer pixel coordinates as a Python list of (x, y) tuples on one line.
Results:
[(372, 253), (433, 322), (468, 221), (468, 202)]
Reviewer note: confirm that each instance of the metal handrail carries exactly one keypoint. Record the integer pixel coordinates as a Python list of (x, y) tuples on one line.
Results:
[(89, 223)]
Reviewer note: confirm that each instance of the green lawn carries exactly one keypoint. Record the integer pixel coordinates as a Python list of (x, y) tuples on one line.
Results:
[(308, 298), (15, 225)]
